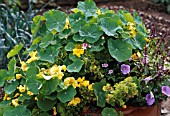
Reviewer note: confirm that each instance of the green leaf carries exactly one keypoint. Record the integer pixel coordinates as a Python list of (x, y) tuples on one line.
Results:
[(45, 104), (18, 111), (44, 114), (64, 34), (76, 21), (140, 41), (131, 42), (5, 108), (46, 40), (91, 32), (49, 54), (24, 97), (70, 46), (137, 19), (32, 72), (35, 25), (4, 103), (3, 75), (109, 26), (88, 7), (100, 94), (120, 50), (77, 37), (33, 85), (73, 57), (129, 17), (98, 46), (11, 67), (11, 87), (109, 112), (66, 95), (52, 96), (55, 20), (15, 50), (75, 66), (49, 86)]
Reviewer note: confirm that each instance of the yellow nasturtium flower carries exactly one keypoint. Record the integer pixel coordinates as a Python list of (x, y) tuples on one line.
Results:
[(35, 98), (67, 25), (64, 67), (15, 102), (98, 12), (74, 102), (16, 95), (21, 88), (133, 33), (147, 40), (54, 70), (136, 56), (82, 82), (30, 93), (132, 29), (18, 76), (33, 54), (90, 87), (70, 81), (78, 50), (33, 57), (5, 96), (23, 66)]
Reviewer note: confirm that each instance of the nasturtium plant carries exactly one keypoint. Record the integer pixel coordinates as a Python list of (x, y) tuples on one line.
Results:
[(93, 57)]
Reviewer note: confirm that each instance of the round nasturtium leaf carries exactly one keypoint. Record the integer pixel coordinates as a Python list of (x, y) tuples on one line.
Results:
[(109, 25), (91, 32), (18, 111), (88, 7), (75, 66), (109, 112), (45, 104), (66, 95), (55, 20), (120, 50)]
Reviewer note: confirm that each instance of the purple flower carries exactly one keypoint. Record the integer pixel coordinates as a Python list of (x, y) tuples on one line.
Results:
[(110, 72), (105, 65), (166, 90), (150, 99), (147, 79), (145, 60), (125, 69)]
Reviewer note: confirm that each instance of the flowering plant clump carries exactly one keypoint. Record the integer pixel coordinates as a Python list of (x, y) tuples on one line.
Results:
[(92, 57)]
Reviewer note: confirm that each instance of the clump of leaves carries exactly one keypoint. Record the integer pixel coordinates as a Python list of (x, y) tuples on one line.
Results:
[(14, 28)]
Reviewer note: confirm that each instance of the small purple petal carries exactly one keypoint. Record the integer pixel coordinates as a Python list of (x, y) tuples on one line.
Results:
[(145, 60), (105, 65), (166, 90), (110, 72), (150, 99), (125, 69), (147, 79)]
